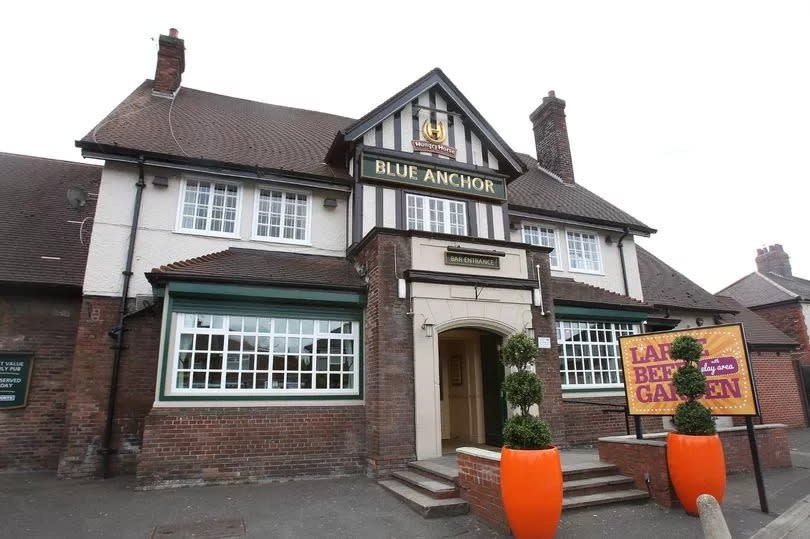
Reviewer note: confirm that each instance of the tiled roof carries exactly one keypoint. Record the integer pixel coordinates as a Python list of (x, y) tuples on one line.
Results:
[(537, 190), (762, 289), (797, 285), (570, 292), (222, 129), (663, 286), (35, 210), (259, 267), (758, 331)]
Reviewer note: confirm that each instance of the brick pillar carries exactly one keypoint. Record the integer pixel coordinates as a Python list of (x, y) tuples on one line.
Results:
[(388, 356), (89, 386), (548, 368)]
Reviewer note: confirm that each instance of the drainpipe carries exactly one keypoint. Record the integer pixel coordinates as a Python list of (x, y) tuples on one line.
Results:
[(118, 332), (621, 258)]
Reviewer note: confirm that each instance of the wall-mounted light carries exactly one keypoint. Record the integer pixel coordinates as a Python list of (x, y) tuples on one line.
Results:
[(530, 332), (699, 321), (329, 203), (428, 329)]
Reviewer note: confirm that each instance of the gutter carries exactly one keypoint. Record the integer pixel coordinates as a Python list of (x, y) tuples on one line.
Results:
[(118, 331)]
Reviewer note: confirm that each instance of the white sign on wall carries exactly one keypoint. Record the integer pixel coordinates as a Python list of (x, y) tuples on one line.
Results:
[(544, 342)]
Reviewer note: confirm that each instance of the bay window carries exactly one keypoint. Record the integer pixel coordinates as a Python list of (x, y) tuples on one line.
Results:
[(589, 353), (436, 215), (255, 355)]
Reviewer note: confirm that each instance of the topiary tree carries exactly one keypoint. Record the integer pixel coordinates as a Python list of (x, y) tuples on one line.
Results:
[(691, 417), (522, 388)]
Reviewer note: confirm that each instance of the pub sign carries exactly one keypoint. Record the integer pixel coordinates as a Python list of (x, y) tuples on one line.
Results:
[(15, 378)]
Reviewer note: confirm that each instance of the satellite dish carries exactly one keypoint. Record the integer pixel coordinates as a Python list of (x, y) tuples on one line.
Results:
[(77, 197)]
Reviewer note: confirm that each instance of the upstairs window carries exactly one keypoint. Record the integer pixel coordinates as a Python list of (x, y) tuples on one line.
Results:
[(583, 252), (436, 215), (209, 207), (544, 236), (282, 216)]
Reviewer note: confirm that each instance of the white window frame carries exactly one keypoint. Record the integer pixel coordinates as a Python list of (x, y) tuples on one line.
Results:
[(276, 394), (571, 268), (446, 213), (557, 253), (181, 197), (255, 222), (561, 343)]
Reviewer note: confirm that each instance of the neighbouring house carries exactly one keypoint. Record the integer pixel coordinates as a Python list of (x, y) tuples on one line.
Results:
[(47, 207), (775, 294)]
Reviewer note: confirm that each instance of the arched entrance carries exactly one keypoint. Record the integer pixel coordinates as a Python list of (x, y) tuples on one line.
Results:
[(470, 376)]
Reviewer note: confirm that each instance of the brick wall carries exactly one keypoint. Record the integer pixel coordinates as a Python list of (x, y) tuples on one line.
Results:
[(778, 388), (636, 458), (185, 446), (585, 423), (548, 365), (90, 385), (790, 320), (479, 480), (45, 324), (388, 356)]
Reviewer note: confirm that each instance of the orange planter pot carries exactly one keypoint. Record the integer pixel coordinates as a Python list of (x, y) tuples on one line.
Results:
[(696, 466), (532, 490)]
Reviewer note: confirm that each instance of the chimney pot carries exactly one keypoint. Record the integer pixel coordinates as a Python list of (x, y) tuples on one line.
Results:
[(774, 259), (173, 33), (551, 137)]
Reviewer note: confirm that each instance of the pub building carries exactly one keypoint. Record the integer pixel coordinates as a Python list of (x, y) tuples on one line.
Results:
[(309, 295)]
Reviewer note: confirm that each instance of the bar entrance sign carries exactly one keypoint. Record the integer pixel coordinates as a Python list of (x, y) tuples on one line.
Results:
[(15, 379)]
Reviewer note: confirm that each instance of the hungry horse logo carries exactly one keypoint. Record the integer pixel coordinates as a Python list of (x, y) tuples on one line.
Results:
[(436, 135)]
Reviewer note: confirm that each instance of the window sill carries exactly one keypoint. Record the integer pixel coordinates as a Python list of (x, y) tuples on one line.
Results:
[(208, 234), (248, 395), (584, 393), (586, 272), (282, 241)]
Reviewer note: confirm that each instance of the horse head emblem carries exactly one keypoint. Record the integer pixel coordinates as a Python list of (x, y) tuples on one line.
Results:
[(437, 134)]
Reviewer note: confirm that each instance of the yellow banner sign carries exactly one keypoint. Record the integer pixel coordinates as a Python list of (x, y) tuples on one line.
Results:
[(648, 371)]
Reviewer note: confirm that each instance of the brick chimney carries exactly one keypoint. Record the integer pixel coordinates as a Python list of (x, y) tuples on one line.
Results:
[(171, 62), (774, 259), (551, 137)]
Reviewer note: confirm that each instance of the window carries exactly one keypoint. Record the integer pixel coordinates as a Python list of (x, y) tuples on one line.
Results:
[(209, 207), (583, 252), (589, 353), (547, 237), (437, 215), (282, 216), (261, 355)]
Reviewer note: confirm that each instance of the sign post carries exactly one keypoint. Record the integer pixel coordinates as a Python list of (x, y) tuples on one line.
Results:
[(15, 379), (648, 370)]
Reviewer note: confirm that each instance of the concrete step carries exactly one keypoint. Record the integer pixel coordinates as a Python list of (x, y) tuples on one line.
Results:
[(428, 485), (422, 503), (436, 470), (593, 485), (602, 498), (573, 472)]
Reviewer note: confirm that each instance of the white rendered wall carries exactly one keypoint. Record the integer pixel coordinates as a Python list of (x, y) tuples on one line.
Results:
[(157, 243), (611, 276)]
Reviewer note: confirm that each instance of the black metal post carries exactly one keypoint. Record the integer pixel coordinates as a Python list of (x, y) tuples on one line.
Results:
[(752, 440), (639, 430)]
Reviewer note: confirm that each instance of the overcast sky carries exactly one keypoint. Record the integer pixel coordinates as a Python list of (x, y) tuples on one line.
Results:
[(693, 118)]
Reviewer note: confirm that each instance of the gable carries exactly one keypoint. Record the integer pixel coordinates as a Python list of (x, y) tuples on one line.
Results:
[(754, 289), (432, 118)]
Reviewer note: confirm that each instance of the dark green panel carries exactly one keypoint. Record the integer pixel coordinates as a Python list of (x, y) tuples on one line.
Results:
[(590, 313)]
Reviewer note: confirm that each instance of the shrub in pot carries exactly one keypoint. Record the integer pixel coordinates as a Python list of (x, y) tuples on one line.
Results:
[(694, 453), (531, 476)]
